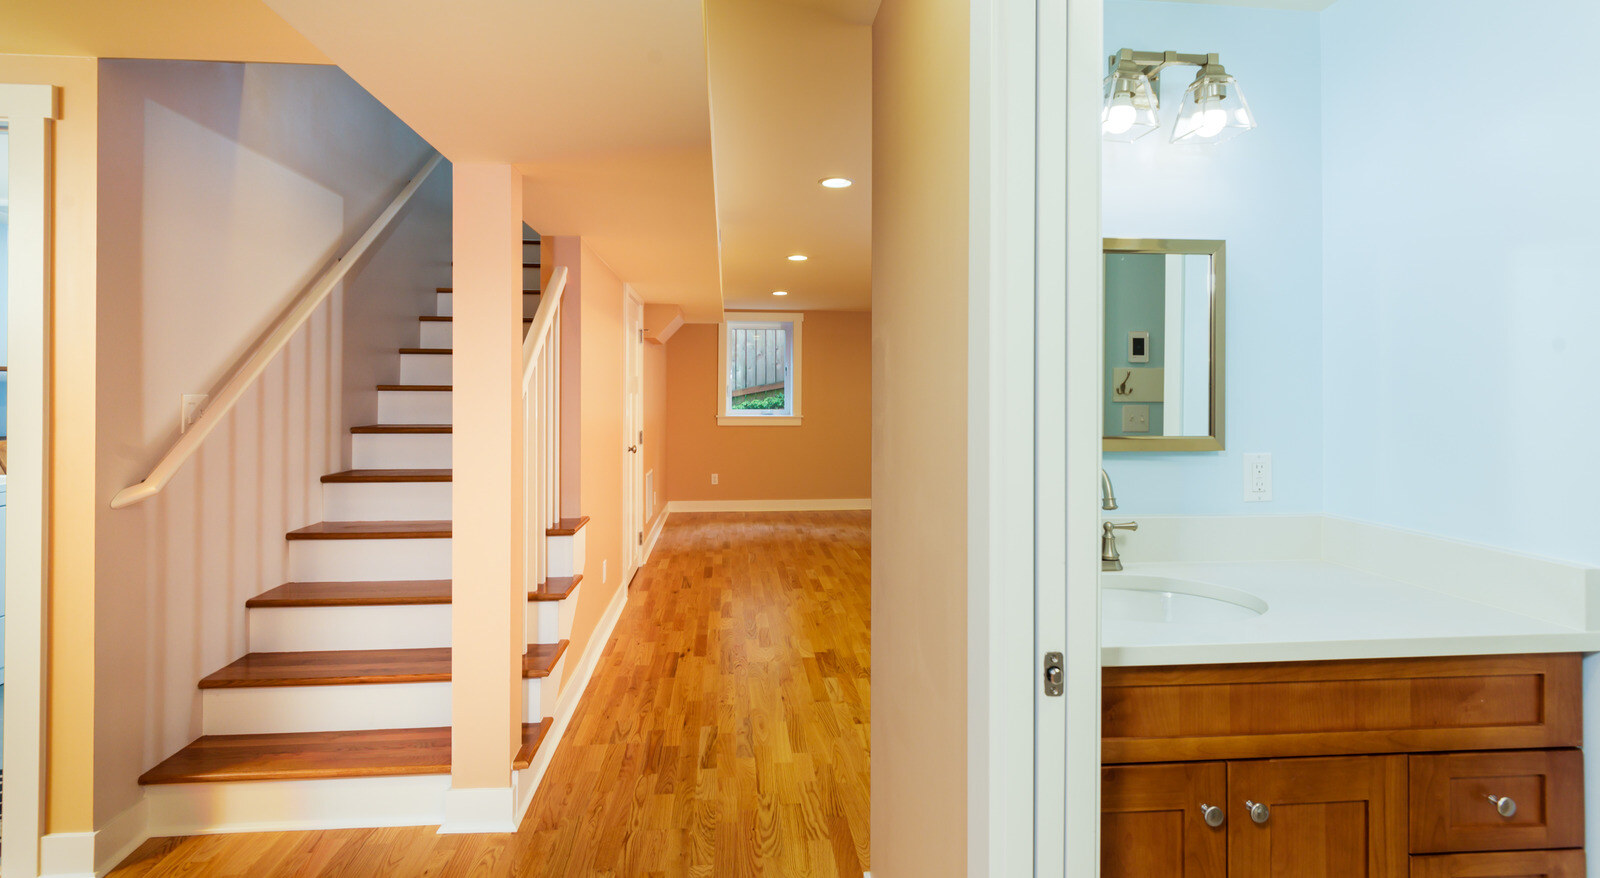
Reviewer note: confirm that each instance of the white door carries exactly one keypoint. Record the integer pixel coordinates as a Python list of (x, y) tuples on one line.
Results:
[(633, 419)]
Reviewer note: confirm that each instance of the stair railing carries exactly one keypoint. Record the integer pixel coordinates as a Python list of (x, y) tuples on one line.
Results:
[(266, 348), (541, 426)]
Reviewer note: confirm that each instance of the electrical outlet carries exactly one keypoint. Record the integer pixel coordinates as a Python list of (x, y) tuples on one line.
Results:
[(1135, 419), (713, 478), (193, 404), (1257, 478)]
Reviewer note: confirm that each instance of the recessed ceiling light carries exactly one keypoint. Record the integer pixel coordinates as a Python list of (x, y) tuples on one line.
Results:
[(836, 182), (798, 257), (780, 292)]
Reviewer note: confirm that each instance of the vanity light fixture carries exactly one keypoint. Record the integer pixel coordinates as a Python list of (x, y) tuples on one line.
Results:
[(1213, 107)]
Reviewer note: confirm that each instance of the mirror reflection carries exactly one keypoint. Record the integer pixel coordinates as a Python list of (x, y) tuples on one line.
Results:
[(1163, 329)]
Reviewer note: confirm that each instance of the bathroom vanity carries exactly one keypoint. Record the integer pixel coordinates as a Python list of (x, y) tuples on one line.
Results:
[(1311, 697), (1443, 767)]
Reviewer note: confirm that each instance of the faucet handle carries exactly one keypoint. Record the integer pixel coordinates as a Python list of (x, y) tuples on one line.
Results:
[(1120, 525)]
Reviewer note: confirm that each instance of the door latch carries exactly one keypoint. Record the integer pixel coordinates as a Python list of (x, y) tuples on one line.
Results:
[(1055, 676)]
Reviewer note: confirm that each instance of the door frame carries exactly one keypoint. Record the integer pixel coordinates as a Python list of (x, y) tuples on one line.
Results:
[(29, 112), (633, 423)]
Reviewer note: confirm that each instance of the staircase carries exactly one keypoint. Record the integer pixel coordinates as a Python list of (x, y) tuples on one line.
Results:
[(340, 713)]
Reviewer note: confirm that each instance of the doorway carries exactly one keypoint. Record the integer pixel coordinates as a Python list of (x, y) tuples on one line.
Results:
[(633, 422)]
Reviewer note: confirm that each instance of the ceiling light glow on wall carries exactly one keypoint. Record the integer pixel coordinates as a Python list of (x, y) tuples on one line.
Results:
[(798, 258), (836, 182), (1213, 108), (780, 292)]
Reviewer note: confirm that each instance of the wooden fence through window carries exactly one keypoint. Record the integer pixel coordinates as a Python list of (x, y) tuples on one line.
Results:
[(758, 360)]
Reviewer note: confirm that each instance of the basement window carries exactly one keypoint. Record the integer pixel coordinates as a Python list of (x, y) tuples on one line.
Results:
[(759, 379)]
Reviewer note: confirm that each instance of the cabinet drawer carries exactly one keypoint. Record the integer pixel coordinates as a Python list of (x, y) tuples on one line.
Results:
[(1517, 864), (1452, 810), (1289, 709)]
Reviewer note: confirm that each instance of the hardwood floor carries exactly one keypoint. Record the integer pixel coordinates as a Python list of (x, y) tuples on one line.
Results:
[(725, 732)]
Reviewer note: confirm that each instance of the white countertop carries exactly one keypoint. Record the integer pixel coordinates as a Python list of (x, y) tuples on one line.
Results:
[(1320, 610)]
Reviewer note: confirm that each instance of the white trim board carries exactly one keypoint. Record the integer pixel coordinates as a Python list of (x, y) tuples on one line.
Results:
[(767, 505), (28, 111), (527, 781)]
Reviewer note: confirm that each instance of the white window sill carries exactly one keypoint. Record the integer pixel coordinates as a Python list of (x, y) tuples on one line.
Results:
[(757, 421)]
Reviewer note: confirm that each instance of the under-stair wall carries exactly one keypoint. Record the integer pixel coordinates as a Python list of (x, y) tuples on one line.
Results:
[(224, 189)]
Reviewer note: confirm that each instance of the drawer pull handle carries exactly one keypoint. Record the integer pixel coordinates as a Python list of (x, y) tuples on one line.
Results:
[(1212, 814), (1506, 805), (1258, 811)]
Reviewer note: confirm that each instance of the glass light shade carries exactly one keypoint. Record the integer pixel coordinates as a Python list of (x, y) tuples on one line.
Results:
[(1129, 111), (1213, 110)]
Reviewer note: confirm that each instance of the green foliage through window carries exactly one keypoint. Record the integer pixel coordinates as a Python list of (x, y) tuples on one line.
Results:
[(759, 401)]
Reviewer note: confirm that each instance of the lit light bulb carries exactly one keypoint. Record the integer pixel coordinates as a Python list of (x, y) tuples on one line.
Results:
[(1213, 118), (1121, 116)]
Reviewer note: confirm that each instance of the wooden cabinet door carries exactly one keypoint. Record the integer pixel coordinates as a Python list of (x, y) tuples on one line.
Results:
[(1152, 824), (1516, 864), (1342, 817)]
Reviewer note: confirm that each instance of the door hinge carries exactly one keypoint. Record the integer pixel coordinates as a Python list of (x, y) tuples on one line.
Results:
[(641, 336), (1054, 674), (641, 538)]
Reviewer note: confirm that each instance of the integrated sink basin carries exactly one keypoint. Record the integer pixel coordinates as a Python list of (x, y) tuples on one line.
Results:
[(1140, 597)]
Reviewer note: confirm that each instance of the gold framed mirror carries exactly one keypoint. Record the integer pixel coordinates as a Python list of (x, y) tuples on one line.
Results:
[(1164, 332)]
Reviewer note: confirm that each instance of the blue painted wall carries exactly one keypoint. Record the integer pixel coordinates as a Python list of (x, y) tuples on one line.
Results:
[(1462, 281), (1262, 194)]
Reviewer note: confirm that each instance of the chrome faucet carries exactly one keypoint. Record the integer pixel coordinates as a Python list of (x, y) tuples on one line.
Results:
[(1110, 561)]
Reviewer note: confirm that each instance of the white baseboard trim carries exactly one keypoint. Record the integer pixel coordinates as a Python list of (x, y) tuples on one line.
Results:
[(654, 534), (486, 809), (768, 505), (66, 855), (527, 780)]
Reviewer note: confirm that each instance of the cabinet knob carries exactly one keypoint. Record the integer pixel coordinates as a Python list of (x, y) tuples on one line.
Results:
[(1212, 814), (1506, 805), (1258, 811)]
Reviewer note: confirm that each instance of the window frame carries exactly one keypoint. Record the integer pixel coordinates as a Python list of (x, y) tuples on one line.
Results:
[(726, 416)]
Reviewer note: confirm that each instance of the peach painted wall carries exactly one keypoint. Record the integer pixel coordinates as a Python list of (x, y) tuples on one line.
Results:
[(827, 457), (224, 190), (69, 782), (920, 134), (602, 438)]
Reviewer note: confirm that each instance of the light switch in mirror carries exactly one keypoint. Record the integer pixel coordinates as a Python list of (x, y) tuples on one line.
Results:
[(1164, 323)]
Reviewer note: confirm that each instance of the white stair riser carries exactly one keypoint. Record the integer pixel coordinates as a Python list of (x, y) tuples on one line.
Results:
[(539, 695), (361, 560), (276, 709), (403, 626), (413, 626), (551, 621), (400, 451), (414, 406), (279, 805), (444, 306), (386, 501), (425, 368), (567, 554), (435, 334)]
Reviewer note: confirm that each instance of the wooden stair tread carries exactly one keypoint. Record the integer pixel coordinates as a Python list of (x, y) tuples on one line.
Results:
[(428, 388), (354, 594), (541, 658), (555, 588), (389, 593), (308, 755), (388, 475), (402, 428), (567, 527), (333, 668), (373, 530), (358, 667), (443, 352)]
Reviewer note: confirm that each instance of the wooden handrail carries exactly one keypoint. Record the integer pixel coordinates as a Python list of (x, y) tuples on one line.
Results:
[(543, 320), (265, 349)]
